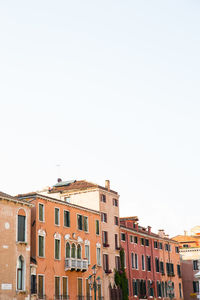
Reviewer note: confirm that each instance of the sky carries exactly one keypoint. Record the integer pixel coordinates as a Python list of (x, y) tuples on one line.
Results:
[(106, 90)]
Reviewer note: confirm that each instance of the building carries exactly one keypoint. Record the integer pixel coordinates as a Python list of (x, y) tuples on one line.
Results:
[(105, 201), (66, 244), (152, 262), (189, 247), (15, 224)]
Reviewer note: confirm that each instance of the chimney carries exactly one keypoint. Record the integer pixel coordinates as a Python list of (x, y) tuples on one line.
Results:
[(161, 233), (185, 232), (149, 229), (136, 226), (59, 179), (107, 184)]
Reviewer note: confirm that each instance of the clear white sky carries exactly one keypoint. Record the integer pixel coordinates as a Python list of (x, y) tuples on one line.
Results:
[(109, 90)]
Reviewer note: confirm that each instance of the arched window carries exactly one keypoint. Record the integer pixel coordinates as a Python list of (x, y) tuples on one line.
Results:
[(20, 273), (79, 251), (67, 250), (73, 251), (21, 226)]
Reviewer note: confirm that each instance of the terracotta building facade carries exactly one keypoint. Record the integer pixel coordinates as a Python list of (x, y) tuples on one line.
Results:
[(66, 244), (15, 224), (106, 202), (152, 262)]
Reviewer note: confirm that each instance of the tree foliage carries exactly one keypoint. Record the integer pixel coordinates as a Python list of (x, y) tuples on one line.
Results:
[(120, 277)]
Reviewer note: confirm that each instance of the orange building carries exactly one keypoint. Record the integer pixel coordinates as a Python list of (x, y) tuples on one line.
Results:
[(15, 226), (66, 243)]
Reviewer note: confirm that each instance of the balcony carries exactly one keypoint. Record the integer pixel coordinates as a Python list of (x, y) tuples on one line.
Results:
[(170, 274), (76, 264)]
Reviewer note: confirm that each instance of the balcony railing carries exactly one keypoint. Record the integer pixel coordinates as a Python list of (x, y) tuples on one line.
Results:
[(61, 297), (76, 264)]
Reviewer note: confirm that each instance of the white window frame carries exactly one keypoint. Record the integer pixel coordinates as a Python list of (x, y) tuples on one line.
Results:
[(87, 245), (132, 260), (81, 285), (25, 226), (23, 274), (67, 284), (43, 235), (136, 260), (99, 255), (64, 218), (55, 249), (55, 216), (143, 256), (40, 203), (56, 276)]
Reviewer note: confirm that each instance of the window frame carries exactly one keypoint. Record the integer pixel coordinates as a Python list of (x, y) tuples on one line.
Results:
[(42, 204), (55, 209), (43, 236), (64, 211), (57, 239)]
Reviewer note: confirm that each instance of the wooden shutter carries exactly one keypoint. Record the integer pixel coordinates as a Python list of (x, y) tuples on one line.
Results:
[(65, 287)]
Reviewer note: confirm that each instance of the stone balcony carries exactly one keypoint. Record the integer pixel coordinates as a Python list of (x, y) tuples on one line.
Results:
[(76, 264)]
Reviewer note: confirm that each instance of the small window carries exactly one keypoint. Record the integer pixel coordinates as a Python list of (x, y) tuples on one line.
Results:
[(149, 263), (180, 290), (41, 286), (143, 263), (41, 246), (67, 250), (79, 251), (196, 286), (142, 241), (123, 237), (57, 216), (66, 218), (155, 244), (135, 239), (177, 249), (160, 246), (85, 224), (195, 265), (103, 198), (21, 228), (105, 237), (115, 202), (132, 260), (57, 249), (73, 251), (97, 227), (98, 256), (157, 264), (146, 242), (82, 222), (166, 247), (104, 217), (57, 287), (185, 246), (65, 287), (131, 239), (20, 273), (87, 253), (136, 261), (116, 220), (41, 212)]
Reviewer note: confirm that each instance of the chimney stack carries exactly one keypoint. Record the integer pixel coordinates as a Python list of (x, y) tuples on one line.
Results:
[(161, 233), (149, 229), (59, 179), (107, 184)]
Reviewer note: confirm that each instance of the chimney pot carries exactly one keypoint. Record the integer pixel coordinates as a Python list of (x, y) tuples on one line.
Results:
[(59, 179), (107, 184)]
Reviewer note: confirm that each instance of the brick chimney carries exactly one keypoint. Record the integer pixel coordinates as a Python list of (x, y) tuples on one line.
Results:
[(161, 233), (149, 229), (107, 184)]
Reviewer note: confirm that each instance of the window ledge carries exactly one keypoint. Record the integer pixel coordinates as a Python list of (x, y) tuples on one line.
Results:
[(20, 242)]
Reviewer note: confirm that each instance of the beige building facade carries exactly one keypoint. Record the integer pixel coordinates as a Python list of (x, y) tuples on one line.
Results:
[(15, 224)]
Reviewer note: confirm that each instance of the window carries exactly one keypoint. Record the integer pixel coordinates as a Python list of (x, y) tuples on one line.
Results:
[(73, 251), (105, 263), (123, 237), (41, 246), (146, 242), (195, 286), (142, 241), (82, 222), (104, 217), (87, 253), (79, 251), (170, 269), (185, 246), (148, 263), (195, 264), (20, 274), (176, 249), (66, 218), (103, 198), (80, 288), (57, 216), (65, 287), (132, 260), (159, 293), (97, 227), (143, 263), (150, 288), (41, 286), (115, 202), (180, 290), (117, 263), (41, 212), (116, 220), (162, 267), (179, 270), (166, 247), (33, 284), (98, 256), (155, 244), (131, 239), (57, 287), (157, 264), (57, 249), (105, 237), (67, 250), (116, 242), (21, 228), (88, 290), (135, 288), (136, 261), (160, 246), (135, 239)]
